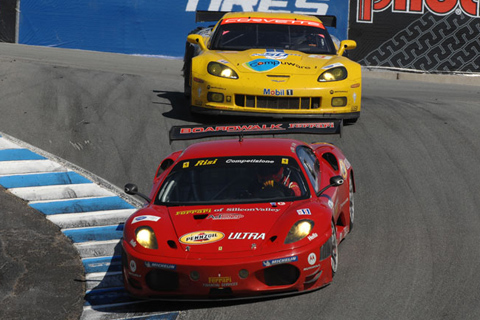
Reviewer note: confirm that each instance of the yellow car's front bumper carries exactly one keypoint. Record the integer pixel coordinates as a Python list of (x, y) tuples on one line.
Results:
[(263, 97)]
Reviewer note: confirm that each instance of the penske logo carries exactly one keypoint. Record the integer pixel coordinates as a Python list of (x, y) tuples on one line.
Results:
[(201, 237)]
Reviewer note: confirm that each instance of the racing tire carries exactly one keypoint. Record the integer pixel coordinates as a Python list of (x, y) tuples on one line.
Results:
[(334, 255), (187, 89), (124, 264), (187, 69), (351, 198)]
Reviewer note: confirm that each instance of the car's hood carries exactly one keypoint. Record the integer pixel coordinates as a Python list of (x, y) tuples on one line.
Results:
[(226, 228), (288, 62)]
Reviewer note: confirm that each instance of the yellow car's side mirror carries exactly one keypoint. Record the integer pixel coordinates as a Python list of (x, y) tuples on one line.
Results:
[(198, 40), (346, 45)]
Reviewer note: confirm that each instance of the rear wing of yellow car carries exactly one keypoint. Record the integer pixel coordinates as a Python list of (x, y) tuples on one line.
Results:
[(190, 132), (208, 16)]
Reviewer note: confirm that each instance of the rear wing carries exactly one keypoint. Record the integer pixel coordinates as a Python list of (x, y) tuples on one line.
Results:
[(328, 21), (208, 16), (191, 132)]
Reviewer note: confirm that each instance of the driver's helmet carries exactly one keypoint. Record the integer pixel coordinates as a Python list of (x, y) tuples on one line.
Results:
[(267, 173)]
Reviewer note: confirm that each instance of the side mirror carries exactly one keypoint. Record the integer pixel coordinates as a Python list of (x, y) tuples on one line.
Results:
[(132, 189), (346, 45), (198, 40), (335, 181)]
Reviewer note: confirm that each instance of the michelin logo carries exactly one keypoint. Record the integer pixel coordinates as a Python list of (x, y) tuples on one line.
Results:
[(318, 7), (270, 263)]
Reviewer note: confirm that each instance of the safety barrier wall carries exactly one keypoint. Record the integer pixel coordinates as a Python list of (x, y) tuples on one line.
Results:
[(150, 27), (438, 36), (426, 35), (8, 18)]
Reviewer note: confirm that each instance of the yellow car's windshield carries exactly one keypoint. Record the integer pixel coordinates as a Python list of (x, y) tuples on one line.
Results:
[(243, 36)]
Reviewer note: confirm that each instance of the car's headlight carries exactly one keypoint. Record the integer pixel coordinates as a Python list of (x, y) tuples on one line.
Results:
[(146, 237), (300, 230), (334, 74), (221, 70)]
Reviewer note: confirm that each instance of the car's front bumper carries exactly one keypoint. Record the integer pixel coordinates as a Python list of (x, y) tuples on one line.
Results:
[(302, 98), (153, 277)]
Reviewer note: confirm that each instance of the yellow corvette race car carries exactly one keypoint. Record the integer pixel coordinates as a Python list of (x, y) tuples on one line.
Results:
[(278, 65)]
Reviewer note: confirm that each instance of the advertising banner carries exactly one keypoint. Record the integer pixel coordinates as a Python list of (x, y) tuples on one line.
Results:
[(438, 36), (145, 27), (8, 20)]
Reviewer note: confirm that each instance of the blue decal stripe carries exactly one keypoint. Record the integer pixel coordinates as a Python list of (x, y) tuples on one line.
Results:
[(42, 179), (81, 205), (19, 154), (102, 264), (95, 234)]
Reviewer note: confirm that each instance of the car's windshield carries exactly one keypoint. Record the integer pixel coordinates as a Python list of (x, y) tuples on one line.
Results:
[(280, 36), (233, 180)]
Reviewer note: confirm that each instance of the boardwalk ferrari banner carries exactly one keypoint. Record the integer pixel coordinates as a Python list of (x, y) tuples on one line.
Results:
[(203, 131)]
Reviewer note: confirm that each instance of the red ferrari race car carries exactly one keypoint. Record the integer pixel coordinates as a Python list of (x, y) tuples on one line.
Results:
[(243, 217)]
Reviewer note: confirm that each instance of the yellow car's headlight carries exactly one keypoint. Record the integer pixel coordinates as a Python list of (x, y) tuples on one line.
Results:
[(334, 74), (221, 70), (146, 237), (300, 230)]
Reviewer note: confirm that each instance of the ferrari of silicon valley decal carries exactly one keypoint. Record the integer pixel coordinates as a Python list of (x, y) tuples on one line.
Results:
[(193, 211), (267, 209)]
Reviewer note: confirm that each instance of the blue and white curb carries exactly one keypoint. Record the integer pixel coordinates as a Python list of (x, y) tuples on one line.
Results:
[(89, 211)]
